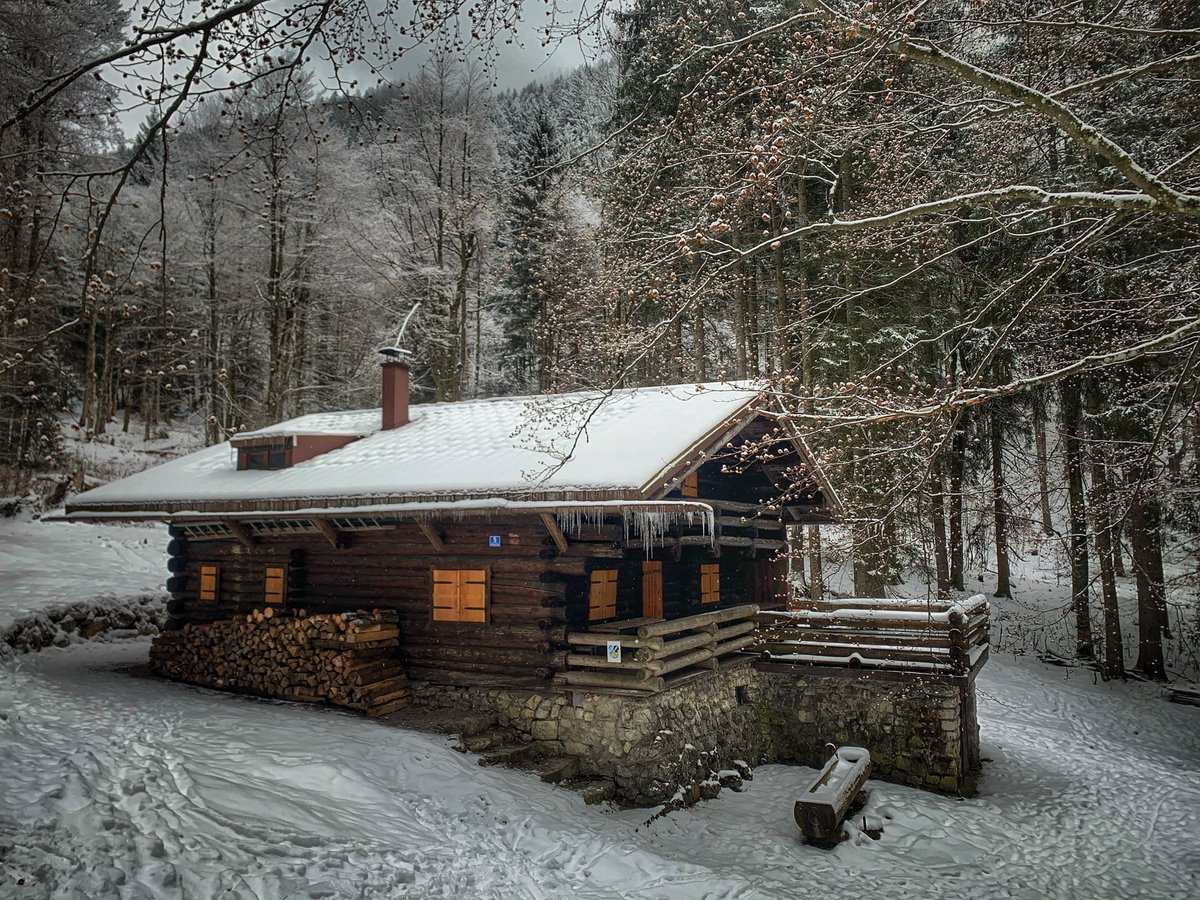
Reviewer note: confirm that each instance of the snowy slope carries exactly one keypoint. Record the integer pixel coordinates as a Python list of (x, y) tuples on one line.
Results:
[(113, 783), (45, 566)]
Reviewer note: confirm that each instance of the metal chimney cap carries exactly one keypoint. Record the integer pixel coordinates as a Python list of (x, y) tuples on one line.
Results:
[(394, 353)]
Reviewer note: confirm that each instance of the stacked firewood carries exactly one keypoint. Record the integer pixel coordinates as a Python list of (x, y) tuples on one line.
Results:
[(348, 659)]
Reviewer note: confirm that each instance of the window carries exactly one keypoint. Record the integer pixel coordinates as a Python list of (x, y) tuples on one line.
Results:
[(274, 455), (602, 595), (690, 486), (460, 595), (652, 589), (710, 582), (275, 584), (210, 584)]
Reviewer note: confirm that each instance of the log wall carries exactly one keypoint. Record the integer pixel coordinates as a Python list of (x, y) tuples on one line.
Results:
[(536, 592)]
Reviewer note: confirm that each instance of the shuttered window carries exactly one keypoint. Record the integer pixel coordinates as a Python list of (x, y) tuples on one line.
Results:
[(210, 584), (460, 595), (652, 589), (602, 595), (710, 583), (690, 486), (275, 584)]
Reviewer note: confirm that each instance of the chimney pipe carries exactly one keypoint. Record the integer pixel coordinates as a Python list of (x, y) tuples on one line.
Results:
[(395, 394)]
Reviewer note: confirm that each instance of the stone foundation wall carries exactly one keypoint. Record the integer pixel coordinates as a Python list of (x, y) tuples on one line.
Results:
[(681, 743), (921, 730)]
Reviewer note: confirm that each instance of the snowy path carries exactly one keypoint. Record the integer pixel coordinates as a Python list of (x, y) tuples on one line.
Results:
[(114, 784)]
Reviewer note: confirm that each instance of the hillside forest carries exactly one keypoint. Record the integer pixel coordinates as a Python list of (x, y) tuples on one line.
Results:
[(958, 241)]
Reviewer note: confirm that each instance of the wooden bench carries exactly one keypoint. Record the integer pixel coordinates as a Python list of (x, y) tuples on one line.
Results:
[(832, 795)]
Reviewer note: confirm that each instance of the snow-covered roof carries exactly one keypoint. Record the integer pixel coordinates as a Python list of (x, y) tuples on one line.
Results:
[(359, 422), (617, 444)]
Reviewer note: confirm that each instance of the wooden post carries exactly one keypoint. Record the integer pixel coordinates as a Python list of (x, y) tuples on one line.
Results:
[(242, 533), (555, 532), (430, 532), (330, 533)]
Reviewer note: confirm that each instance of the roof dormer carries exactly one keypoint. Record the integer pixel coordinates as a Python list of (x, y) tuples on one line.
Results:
[(258, 451)]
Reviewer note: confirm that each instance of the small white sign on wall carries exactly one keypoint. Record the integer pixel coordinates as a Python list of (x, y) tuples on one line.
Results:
[(614, 651), (493, 540)]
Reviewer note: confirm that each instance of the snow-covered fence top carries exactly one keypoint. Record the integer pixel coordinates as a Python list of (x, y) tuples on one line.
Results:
[(920, 635)]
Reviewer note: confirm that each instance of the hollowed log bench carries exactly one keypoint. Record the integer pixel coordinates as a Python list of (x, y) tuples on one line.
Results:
[(832, 795)]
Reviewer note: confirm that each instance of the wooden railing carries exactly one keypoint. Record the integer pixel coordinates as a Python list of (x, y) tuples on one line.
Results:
[(916, 635), (656, 653)]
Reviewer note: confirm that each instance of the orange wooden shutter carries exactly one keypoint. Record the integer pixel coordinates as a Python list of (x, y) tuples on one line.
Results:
[(445, 595), (472, 595), (652, 589), (460, 595), (602, 595), (210, 580), (275, 584), (710, 583), (690, 486)]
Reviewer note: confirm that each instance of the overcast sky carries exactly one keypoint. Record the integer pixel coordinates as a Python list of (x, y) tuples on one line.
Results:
[(513, 65)]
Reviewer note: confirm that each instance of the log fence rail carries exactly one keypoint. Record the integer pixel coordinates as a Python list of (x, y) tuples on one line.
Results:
[(938, 636), (656, 653)]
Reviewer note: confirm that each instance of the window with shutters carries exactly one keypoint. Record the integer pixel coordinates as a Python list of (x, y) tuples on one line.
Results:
[(460, 595), (275, 584), (652, 589), (602, 595), (690, 486), (210, 584), (710, 583)]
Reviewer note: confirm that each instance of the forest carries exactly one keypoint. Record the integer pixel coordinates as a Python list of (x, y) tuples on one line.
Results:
[(956, 240)]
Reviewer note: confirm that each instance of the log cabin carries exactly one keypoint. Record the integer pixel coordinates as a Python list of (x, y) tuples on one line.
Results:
[(508, 541)]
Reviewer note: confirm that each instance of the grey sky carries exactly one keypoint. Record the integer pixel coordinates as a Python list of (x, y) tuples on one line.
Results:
[(513, 64)]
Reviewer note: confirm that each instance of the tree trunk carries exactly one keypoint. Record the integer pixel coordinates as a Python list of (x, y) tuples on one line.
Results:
[(796, 551), (999, 505), (1113, 661), (1145, 534), (869, 569), (1071, 413), (816, 575), (958, 465), (1043, 461), (937, 506), (699, 370)]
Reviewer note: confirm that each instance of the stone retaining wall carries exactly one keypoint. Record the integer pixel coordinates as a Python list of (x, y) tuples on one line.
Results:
[(682, 742), (84, 621)]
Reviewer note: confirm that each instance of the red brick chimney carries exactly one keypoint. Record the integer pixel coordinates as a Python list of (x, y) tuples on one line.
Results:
[(395, 394)]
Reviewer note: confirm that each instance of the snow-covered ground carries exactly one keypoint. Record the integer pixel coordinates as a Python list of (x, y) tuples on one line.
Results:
[(117, 784), (45, 566)]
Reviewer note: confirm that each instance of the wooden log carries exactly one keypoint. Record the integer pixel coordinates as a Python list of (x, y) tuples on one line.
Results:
[(675, 647), (438, 672), (432, 534), (856, 637), (734, 645), (823, 805), (860, 657), (581, 678), (555, 533), (601, 639), (389, 708), (683, 661), (736, 630), (601, 664), (672, 626)]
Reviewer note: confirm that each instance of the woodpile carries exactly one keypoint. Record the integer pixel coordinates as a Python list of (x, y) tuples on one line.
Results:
[(348, 659)]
